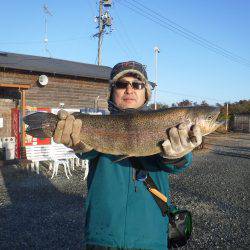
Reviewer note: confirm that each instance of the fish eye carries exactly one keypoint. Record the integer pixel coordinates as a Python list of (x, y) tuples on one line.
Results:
[(210, 117)]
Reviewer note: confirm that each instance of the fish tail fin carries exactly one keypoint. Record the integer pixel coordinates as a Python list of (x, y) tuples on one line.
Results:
[(41, 124)]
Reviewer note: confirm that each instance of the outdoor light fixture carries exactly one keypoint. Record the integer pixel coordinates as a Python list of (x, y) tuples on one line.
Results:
[(61, 105), (43, 80)]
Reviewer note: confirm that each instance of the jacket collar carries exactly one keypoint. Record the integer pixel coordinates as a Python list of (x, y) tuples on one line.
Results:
[(113, 109)]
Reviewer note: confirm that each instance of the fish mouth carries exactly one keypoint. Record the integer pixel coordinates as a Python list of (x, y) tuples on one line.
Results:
[(217, 124), (213, 117), (213, 124), (210, 124)]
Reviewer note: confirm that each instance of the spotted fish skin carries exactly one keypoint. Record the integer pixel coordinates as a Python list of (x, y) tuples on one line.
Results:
[(131, 134)]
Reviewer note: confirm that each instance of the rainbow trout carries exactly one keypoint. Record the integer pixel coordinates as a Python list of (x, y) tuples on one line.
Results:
[(128, 134)]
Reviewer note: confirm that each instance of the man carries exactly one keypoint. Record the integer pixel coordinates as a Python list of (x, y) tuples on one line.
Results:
[(120, 211)]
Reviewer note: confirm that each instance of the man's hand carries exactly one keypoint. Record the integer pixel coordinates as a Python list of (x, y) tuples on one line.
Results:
[(68, 132), (181, 141)]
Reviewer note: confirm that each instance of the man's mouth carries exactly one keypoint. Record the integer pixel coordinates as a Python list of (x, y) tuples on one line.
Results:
[(128, 99)]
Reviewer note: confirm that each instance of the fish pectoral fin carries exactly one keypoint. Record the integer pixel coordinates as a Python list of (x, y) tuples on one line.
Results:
[(121, 157)]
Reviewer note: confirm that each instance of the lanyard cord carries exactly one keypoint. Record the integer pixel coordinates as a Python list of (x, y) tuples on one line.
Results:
[(160, 199), (154, 191)]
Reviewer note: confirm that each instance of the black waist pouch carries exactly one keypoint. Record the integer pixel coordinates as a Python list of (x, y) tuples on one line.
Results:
[(180, 227)]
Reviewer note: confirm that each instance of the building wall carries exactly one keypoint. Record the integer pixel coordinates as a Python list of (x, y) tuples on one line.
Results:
[(242, 123), (74, 92)]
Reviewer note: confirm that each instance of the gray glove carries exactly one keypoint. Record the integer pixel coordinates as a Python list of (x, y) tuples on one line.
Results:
[(68, 132), (181, 141)]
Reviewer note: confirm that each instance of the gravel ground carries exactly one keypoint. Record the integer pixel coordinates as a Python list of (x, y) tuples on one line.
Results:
[(39, 213), (216, 190)]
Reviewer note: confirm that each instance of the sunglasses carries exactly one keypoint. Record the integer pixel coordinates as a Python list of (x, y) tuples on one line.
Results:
[(124, 85)]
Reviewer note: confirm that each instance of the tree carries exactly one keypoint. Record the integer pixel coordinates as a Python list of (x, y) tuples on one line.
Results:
[(184, 103), (204, 103), (159, 105), (240, 107)]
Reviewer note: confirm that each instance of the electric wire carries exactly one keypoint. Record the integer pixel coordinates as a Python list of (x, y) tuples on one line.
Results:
[(157, 20), (193, 34), (125, 34), (91, 7), (189, 95), (39, 42), (187, 36), (120, 45), (193, 39)]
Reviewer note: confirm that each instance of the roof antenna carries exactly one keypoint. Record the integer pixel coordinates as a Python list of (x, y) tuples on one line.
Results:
[(46, 40)]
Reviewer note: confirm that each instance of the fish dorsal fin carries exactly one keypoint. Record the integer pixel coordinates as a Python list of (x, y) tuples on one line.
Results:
[(120, 158)]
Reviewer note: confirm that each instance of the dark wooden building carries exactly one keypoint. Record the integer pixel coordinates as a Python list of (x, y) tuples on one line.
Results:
[(241, 122), (46, 82)]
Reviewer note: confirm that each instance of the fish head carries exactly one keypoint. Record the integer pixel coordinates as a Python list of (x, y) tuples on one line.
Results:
[(205, 117)]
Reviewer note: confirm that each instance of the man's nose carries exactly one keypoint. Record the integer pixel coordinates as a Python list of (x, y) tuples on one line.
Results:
[(129, 88)]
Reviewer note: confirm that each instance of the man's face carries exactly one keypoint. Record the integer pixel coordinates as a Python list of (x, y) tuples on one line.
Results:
[(129, 97)]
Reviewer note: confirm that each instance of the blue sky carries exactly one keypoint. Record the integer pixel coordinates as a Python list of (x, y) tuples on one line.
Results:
[(186, 70)]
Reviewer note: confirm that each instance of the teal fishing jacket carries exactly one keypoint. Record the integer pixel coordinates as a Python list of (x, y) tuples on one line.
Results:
[(120, 212)]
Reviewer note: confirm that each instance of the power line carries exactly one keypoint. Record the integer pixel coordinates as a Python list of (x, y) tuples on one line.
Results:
[(193, 39), (120, 45), (198, 40), (125, 34), (188, 95), (123, 44), (91, 7), (52, 41), (70, 39), (178, 31), (193, 34)]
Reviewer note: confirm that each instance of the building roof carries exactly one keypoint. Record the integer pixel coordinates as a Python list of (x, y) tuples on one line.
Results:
[(53, 66)]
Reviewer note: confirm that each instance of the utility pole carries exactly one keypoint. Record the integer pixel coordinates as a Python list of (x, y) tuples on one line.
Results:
[(156, 51), (104, 20), (100, 33), (227, 118)]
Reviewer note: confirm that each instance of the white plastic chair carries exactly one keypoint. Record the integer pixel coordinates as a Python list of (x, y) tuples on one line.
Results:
[(65, 163), (85, 165)]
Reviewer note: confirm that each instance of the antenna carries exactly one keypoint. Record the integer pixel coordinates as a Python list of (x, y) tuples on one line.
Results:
[(47, 13), (156, 50)]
